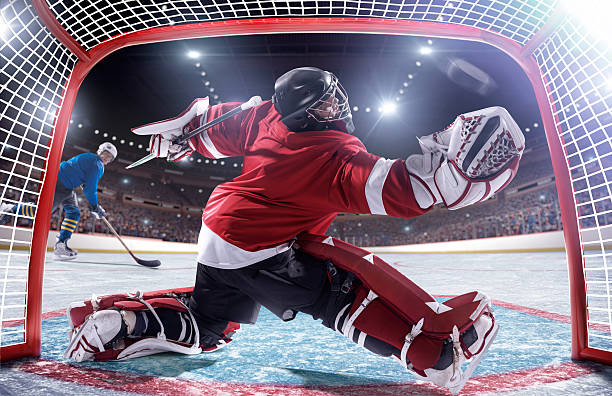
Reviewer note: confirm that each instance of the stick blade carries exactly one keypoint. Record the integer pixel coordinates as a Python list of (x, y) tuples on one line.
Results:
[(149, 263)]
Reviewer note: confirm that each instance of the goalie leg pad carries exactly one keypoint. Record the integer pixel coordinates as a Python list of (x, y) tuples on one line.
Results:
[(150, 323), (394, 315), (95, 335)]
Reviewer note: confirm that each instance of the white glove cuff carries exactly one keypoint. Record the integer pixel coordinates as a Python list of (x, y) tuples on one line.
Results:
[(422, 168)]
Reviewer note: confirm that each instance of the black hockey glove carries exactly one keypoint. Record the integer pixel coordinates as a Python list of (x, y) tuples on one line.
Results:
[(98, 212)]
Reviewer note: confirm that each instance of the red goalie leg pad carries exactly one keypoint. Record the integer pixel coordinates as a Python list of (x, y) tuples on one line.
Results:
[(390, 307), (401, 294)]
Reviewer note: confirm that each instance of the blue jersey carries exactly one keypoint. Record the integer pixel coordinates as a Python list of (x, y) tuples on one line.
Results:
[(84, 169)]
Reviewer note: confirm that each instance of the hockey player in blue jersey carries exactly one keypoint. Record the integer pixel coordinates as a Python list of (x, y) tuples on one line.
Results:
[(82, 170)]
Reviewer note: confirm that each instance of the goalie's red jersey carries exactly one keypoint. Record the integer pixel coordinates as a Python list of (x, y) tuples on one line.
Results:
[(290, 183)]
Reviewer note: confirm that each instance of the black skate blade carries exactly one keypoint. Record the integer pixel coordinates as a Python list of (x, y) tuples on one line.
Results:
[(149, 263)]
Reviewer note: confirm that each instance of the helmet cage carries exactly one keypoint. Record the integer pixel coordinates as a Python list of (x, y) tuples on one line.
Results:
[(332, 106)]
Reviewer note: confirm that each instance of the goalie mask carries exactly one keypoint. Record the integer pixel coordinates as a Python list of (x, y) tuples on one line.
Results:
[(311, 99)]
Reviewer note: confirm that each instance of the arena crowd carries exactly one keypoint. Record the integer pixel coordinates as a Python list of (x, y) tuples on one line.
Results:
[(161, 209)]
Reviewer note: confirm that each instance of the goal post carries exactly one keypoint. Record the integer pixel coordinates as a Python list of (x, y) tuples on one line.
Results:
[(50, 46)]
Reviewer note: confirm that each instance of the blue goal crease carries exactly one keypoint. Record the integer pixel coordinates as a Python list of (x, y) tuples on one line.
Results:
[(302, 352)]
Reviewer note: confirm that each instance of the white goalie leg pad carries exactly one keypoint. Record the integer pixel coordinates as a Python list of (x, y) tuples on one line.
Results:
[(469, 161)]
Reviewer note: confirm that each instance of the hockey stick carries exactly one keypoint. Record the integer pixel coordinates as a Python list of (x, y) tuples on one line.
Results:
[(146, 263), (254, 101)]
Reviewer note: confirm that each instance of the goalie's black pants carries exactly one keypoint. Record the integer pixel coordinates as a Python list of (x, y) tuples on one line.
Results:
[(285, 284)]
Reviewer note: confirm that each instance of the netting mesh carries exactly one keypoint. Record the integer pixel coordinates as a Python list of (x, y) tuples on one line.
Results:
[(93, 22), (34, 68), (576, 68)]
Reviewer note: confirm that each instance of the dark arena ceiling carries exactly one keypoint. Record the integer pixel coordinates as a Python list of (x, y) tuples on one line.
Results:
[(429, 80)]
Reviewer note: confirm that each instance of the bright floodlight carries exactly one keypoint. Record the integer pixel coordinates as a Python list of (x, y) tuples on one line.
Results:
[(425, 50), (594, 14), (193, 54), (388, 108)]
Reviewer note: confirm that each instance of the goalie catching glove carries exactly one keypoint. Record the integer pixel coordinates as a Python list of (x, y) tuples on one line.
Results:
[(472, 159), (163, 133)]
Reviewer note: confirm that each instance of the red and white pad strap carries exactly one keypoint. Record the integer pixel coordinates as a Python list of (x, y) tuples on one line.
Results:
[(472, 159)]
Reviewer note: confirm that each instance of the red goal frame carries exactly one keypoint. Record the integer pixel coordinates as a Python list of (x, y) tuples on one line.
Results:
[(521, 54)]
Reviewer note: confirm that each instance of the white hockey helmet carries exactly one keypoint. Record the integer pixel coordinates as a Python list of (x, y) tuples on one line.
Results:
[(108, 146)]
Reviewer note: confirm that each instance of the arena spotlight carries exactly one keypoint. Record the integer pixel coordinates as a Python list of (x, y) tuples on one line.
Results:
[(593, 14), (146, 221), (193, 54), (97, 131), (418, 63), (125, 181), (425, 50), (388, 108), (80, 125), (535, 125)]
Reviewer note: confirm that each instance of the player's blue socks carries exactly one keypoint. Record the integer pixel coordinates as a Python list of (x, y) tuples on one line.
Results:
[(25, 209), (70, 222)]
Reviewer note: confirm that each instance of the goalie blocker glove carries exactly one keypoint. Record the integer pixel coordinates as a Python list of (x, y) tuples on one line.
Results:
[(472, 159), (163, 133)]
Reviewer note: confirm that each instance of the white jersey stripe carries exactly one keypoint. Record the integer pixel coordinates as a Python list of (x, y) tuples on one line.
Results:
[(205, 139), (374, 186)]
